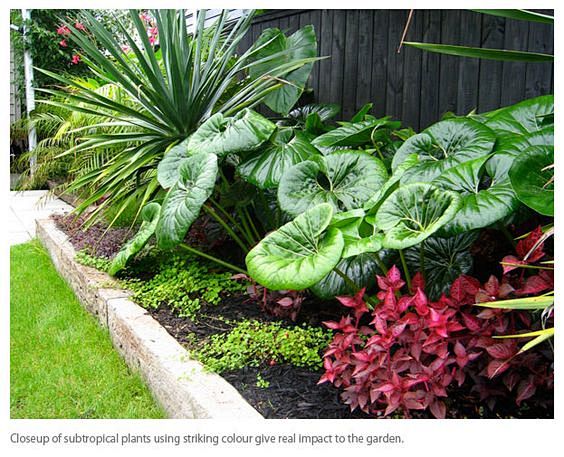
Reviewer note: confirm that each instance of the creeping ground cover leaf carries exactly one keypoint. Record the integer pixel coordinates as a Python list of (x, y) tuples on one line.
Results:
[(150, 217), (265, 167), (484, 199), (414, 212), (298, 254), (184, 200), (221, 135), (300, 45), (345, 179), (442, 146), (167, 170), (532, 178)]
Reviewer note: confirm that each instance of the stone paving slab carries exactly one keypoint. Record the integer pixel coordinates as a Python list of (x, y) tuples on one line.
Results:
[(25, 208)]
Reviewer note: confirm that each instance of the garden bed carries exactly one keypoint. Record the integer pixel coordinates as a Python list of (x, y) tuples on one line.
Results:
[(281, 390)]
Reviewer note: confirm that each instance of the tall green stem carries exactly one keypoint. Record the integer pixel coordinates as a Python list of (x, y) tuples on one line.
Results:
[(244, 223), (422, 259), (405, 269), (212, 258), (228, 229), (251, 223), (350, 283)]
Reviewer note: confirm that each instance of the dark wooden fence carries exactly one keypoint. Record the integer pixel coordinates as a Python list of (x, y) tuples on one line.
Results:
[(414, 86)]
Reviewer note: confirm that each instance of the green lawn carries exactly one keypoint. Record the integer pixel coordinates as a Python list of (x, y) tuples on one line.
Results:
[(63, 364)]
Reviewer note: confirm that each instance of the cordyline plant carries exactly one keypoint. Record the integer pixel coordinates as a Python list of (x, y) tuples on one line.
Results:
[(171, 87), (408, 351)]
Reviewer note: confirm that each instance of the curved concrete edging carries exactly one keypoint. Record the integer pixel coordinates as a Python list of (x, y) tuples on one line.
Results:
[(180, 384)]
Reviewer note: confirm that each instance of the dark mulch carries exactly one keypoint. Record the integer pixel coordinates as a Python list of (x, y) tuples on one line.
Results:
[(97, 239)]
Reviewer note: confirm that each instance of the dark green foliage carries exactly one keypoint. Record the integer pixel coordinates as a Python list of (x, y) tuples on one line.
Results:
[(252, 343)]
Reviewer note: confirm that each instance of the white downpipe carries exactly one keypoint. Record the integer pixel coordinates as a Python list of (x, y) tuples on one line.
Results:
[(29, 90)]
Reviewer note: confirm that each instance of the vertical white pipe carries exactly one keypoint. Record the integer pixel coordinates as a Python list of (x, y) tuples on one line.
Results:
[(29, 90)]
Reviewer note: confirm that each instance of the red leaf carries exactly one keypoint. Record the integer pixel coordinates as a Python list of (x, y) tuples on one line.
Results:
[(514, 261), (533, 285), (417, 282), (496, 367), (526, 244), (525, 389), (438, 409), (501, 350)]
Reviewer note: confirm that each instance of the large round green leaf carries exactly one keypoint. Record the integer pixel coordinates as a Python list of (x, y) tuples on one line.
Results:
[(345, 179), (414, 212), (300, 45), (442, 146), (150, 217), (525, 117), (298, 254), (167, 170), (484, 199), (184, 200), (350, 135), (359, 235), (265, 167), (221, 135), (532, 178), (509, 147), (445, 259)]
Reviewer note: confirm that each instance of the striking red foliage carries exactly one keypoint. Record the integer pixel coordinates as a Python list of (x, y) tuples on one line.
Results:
[(406, 353)]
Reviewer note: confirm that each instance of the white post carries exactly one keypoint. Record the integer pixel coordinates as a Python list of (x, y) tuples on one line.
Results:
[(194, 22), (29, 90)]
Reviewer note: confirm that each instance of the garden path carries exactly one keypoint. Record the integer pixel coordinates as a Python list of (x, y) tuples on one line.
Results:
[(25, 208)]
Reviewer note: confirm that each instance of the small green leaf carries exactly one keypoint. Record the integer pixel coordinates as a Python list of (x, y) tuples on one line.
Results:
[(184, 200), (414, 212), (150, 217), (298, 254)]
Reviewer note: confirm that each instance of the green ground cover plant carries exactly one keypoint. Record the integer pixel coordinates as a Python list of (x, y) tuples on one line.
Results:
[(62, 364)]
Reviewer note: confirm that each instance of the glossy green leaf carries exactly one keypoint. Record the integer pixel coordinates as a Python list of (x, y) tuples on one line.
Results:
[(482, 53), (509, 147), (525, 117), (169, 166), (265, 167), (184, 200), (532, 178), (361, 269), (484, 200), (528, 303), (359, 236), (221, 135), (350, 135), (149, 217), (325, 111), (520, 15), (414, 212), (442, 146), (298, 254), (359, 116), (445, 259), (345, 179), (300, 45)]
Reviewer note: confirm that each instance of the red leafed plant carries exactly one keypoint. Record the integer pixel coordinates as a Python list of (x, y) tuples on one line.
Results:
[(408, 352)]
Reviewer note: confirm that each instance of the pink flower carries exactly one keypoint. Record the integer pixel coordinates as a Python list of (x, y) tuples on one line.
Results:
[(144, 16), (63, 30), (125, 48), (75, 59), (63, 43), (79, 26)]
